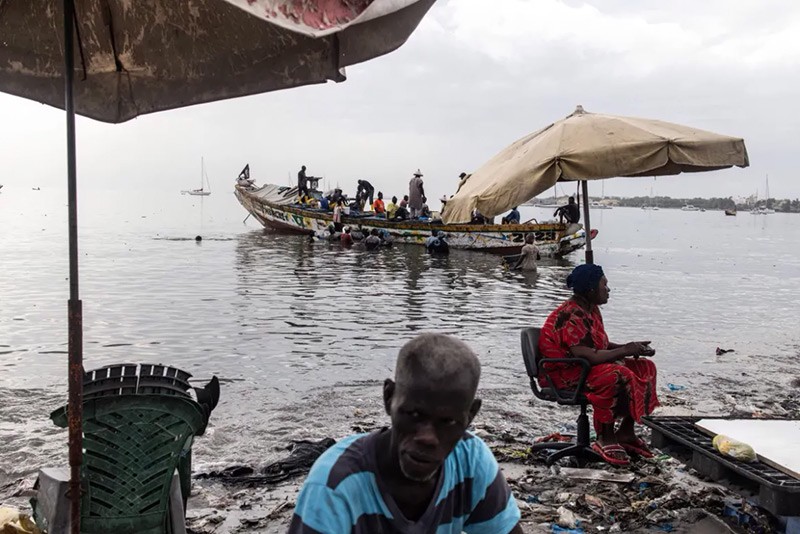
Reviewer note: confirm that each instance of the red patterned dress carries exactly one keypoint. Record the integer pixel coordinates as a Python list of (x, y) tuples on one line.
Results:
[(630, 381)]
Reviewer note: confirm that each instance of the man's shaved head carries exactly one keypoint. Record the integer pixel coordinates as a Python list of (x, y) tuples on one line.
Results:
[(438, 359), (431, 402)]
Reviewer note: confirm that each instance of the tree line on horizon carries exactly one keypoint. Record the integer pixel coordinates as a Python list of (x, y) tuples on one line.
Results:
[(784, 205)]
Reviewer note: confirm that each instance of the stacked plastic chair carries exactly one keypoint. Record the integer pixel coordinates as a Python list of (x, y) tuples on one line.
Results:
[(139, 422)]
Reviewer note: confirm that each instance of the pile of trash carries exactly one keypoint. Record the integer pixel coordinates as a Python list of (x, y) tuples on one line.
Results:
[(658, 494)]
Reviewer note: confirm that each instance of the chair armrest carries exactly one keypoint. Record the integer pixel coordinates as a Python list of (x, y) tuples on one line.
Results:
[(585, 368)]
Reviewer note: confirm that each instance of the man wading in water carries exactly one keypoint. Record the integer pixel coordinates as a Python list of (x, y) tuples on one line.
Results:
[(425, 473)]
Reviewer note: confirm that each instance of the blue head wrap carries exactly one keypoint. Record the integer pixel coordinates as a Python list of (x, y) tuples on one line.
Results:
[(585, 278)]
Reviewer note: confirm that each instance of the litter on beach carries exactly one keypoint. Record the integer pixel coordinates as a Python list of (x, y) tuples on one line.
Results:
[(598, 474)]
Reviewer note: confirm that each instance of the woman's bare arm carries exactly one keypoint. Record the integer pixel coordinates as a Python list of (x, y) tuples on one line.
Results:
[(596, 357)]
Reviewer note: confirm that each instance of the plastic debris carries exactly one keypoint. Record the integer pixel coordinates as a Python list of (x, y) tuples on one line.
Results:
[(14, 522), (555, 436), (560, 530), (720, 351), (734, 449), (567, 518), (598, 474), (675, 387)]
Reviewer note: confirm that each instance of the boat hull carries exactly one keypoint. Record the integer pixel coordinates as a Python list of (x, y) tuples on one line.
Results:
[(502, 239)]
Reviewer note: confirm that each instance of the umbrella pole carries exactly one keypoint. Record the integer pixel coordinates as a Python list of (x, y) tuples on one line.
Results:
[(589, 251), (74, 312)]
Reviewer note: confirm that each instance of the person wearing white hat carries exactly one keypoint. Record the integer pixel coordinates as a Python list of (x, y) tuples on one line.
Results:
[(415, 194)]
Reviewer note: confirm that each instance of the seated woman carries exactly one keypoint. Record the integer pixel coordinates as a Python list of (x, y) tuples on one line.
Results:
[(620, 385)]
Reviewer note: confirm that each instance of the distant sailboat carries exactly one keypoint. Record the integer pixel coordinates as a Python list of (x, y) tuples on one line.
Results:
[(203, 180), (650, 206), (601, 205), (765, 209), (554, 203)]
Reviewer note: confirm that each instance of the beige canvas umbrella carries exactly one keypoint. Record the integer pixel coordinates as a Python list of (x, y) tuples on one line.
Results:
[(113, 60), (590, 146)]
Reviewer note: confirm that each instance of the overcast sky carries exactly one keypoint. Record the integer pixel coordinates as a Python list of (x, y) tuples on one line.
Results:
[(474, 77)]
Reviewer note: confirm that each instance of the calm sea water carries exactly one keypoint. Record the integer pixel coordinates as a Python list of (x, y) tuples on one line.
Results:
[(302, 334)]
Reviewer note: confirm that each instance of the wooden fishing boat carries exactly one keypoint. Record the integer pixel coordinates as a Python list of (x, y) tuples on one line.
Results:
[(731, 212), (276, 207)]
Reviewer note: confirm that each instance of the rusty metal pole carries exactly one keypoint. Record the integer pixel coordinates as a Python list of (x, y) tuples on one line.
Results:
[(74, 311), (589, 251)]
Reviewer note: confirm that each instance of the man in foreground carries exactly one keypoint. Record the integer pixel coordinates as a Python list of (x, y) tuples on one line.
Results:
[(425, 473)]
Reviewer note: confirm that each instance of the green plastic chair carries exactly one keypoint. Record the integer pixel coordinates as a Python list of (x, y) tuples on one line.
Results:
[(133, 445)]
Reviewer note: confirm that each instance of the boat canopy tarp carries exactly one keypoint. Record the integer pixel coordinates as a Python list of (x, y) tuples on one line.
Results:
[(590, 146)]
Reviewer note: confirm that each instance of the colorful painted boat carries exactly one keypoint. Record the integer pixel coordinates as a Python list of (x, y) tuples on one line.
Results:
[(275, 207)]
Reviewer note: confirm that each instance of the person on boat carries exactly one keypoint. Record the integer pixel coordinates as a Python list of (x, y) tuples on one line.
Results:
[(443, 200), (478, 217), (513, 217), (425, 211), (373, 240), (426, 472), (528, 255), (462, 179), (366, 188), (570, 213), (346, 238), (325, 203), (391, 208), (416, 192), (302, 181), (402, 212), (378, 206), (336, 196), (337, 215), (620, 385)]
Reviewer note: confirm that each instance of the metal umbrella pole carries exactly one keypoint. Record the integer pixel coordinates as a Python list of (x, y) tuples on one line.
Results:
[(589, 251), (75, 314)]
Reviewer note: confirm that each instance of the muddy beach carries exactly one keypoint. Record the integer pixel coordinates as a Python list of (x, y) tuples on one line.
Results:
[(657, 494), (652, 495)]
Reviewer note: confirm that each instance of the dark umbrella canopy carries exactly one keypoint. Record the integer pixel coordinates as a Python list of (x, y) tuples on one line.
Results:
[(134, 57)]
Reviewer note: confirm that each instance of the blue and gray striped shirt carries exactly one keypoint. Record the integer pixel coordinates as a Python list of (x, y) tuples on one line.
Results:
[(342, 496)]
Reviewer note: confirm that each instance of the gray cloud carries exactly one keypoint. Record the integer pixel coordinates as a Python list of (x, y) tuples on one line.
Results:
[(474, 77)]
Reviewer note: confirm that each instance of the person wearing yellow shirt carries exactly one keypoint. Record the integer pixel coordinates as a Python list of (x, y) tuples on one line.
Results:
[(392, 208)]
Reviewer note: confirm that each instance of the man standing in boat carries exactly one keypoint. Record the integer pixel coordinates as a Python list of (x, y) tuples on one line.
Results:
[(415, 194), (366, 188), (302, 181)]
